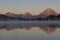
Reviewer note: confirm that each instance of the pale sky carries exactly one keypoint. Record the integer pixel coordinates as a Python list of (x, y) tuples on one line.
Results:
[(32, 6)]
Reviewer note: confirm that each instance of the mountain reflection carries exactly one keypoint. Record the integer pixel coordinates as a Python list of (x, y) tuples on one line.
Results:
[(49, 29), (46, 28)]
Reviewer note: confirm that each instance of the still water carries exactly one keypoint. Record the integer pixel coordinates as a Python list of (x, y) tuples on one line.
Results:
[(30, 30)]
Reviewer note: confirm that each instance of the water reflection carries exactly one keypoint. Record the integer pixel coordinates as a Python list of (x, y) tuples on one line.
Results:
[(29, 31), (48, 28)]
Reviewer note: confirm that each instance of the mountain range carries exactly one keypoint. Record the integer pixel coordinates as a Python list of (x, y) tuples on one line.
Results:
[(29, 16)]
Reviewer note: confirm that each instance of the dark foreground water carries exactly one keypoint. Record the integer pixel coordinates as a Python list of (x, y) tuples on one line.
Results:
[(29, 30)]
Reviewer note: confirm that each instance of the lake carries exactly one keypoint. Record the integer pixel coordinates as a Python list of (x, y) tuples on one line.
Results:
[(29, 30)]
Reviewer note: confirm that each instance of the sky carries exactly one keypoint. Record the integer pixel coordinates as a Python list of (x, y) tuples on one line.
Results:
[(32, 6)]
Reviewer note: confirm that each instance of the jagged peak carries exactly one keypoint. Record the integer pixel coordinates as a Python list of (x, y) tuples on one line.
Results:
[(49, 11), (27, 14), (9, 14)]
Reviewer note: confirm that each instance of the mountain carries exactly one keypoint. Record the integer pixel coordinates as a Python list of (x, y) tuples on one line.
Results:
[(27, 15), (10, 14), (47, 12)]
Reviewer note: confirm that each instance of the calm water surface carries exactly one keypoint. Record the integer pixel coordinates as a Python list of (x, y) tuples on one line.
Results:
[(30, 30)]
